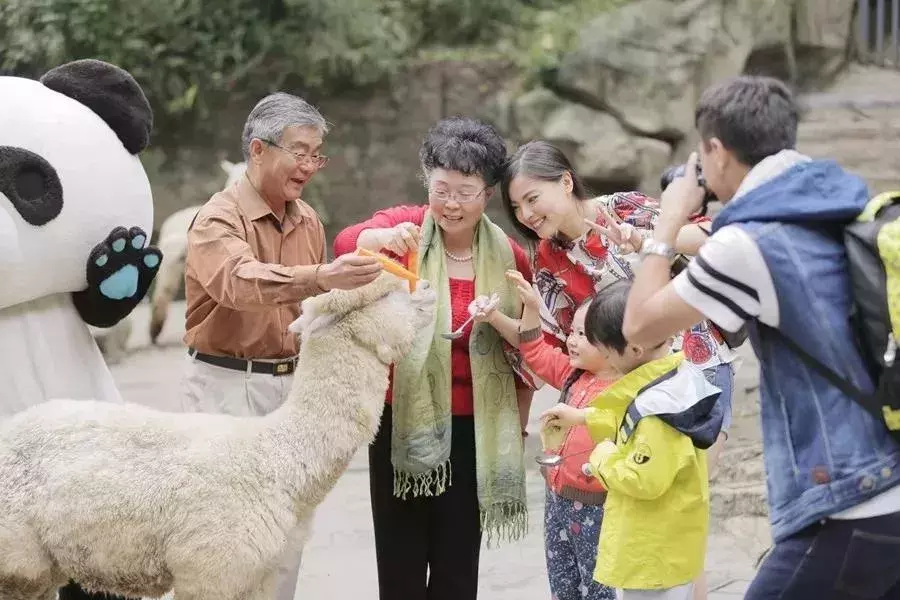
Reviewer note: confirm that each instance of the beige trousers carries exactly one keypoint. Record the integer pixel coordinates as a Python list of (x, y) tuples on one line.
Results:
[(211, 389)]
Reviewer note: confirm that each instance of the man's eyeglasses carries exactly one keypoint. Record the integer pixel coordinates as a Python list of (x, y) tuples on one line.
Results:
[(316, 160), (443, 196)]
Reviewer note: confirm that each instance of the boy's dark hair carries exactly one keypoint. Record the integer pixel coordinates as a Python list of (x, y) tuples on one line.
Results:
[(465, 145), (753, 116), (542, 161), (605, 315)]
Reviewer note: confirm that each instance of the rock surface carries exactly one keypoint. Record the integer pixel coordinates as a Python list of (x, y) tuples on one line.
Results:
[(856, 121), (622, 103)]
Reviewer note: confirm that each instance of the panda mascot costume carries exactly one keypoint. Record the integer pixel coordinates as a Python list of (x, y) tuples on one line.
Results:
[(75, 206)]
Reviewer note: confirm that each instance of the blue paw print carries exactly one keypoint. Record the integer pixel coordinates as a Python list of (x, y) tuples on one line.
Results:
[(121, 262)]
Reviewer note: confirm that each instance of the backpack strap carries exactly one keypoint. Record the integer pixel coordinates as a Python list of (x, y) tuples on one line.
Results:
[(833, 378)]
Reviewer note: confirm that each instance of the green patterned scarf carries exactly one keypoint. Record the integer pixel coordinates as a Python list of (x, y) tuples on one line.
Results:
[(420, 447)]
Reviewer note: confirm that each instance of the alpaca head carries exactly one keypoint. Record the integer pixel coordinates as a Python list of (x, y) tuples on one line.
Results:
[(234, 171), (382, 316)]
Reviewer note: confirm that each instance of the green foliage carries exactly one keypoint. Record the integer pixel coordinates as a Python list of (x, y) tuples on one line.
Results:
[(552, 32), (190, 56)]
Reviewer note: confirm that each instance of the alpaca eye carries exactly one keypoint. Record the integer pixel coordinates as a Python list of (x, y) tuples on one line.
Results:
[(31, 185)]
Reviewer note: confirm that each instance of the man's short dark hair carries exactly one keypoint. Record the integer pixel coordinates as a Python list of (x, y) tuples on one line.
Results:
[(753, 116), (604, 317)]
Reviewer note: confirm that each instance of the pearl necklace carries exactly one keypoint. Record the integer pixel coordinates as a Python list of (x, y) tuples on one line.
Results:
[(459, 259)]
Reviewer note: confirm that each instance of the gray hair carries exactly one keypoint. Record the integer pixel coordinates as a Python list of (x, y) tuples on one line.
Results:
[(275, 113)]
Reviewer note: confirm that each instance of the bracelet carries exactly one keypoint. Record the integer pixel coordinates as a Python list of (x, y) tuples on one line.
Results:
[(316, 278)]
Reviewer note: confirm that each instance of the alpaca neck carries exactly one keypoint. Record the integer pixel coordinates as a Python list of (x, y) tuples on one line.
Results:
[(333, 409)]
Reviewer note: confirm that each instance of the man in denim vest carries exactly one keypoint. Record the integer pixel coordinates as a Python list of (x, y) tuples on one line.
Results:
[(776, 260)]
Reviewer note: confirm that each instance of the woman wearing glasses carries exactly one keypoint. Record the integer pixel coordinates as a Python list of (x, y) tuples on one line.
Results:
[(447, 465)]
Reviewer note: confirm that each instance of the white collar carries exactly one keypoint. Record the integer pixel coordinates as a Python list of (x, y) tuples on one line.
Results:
[(768, 169)]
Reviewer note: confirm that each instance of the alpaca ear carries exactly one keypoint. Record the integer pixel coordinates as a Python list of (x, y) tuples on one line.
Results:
[(227, 166), (309, 310)]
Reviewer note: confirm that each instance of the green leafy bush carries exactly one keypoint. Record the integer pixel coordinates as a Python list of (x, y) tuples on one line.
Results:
[(192, 55)]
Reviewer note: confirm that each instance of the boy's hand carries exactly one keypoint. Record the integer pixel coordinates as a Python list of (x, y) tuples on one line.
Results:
[(529, 296), (601, 452), (563, 415)]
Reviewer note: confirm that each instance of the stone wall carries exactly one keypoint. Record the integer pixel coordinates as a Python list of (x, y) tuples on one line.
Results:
[(621, 105), (373, 144), (856, 121)]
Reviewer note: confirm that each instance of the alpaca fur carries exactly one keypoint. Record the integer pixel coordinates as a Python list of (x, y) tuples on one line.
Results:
[(135, 501), (173, 244)]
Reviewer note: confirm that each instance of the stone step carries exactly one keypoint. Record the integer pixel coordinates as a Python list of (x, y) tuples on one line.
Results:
[(741, 465), (843, 131), (738, 499), (749, 535)]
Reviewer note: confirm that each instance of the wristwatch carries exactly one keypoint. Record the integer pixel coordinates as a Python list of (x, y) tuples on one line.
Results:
[(651, 246)]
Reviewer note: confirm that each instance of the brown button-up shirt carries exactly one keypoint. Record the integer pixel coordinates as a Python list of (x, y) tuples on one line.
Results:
[(246, 273)]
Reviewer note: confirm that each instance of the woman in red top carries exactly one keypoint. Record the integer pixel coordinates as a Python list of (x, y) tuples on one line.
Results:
[(585, 244), (435, 488)]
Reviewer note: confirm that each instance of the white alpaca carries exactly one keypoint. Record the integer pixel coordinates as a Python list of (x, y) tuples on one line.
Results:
[(137, 502), (173, 244)]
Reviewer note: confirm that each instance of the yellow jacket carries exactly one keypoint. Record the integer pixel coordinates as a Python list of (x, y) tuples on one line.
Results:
[(662, 416)]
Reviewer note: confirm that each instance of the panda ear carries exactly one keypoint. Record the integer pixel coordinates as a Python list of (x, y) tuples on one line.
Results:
[(109, 91)]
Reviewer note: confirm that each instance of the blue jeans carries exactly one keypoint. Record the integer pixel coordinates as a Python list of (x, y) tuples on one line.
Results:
[(571, 537), (834, 560), (722, 376)]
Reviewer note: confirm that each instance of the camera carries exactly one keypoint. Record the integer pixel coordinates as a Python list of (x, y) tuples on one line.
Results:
[(677, 171)]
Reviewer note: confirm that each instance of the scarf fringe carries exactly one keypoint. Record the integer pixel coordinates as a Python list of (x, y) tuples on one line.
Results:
[(431, 483), (504, 521)]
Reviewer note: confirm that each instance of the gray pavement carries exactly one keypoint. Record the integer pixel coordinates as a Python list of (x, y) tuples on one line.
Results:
[(339, 561)]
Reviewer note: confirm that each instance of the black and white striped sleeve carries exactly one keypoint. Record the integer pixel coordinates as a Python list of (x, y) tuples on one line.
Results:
[(729, 281)]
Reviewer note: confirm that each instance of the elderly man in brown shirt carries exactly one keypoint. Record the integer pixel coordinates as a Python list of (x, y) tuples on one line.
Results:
[(255, 250)]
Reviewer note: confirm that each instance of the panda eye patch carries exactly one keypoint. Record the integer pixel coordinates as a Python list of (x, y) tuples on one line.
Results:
[(30, 184)]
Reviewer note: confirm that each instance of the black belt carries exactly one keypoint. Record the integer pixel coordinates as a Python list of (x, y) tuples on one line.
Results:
[(284, 367)]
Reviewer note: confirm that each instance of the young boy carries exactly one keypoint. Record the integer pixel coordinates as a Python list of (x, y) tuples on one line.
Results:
[(653, 426)]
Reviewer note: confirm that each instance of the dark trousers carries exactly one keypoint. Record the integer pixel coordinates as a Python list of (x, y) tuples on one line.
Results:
[(74, 592), (834, 560), (428, 547)]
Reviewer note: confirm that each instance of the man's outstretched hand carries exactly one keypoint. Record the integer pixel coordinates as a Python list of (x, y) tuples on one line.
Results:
[(348, 271)]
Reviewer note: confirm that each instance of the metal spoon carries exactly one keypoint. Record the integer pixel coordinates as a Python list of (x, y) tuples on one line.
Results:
[(548, 460), (458, 333)]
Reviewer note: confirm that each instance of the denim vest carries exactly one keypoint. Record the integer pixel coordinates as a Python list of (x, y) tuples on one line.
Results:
[(823, 452)]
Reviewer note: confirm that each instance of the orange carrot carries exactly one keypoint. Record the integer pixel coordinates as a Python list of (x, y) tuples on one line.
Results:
[(392, 267), (413, 268)]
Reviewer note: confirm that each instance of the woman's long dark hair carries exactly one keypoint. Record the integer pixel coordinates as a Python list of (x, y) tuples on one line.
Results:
[(538, 160)]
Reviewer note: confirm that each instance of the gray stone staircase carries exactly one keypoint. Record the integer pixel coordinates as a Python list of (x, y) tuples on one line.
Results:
[(856, 121)]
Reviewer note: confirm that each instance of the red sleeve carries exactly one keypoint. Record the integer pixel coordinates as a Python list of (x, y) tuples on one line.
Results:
[(697, 219), (546, 361), (345, 241), (523, 265)]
